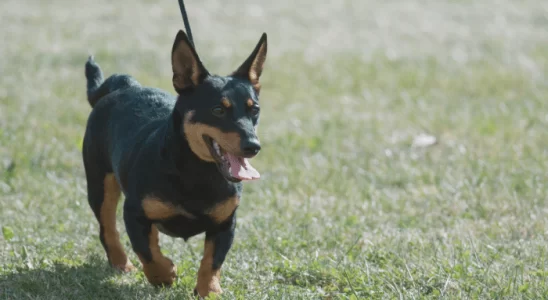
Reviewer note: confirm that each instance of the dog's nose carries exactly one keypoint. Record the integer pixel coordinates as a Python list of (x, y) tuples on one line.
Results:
[(251, 147)]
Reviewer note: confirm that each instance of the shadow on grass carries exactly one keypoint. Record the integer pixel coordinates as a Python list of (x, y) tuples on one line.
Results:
[(92, 280)]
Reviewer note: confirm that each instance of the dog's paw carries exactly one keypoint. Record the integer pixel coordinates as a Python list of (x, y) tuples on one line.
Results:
[(161, 273), (204, 291), (125, 268)]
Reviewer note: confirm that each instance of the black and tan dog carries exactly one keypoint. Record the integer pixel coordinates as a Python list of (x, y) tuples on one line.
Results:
[(179, 161)]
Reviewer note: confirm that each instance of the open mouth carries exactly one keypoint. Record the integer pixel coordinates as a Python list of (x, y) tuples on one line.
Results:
[(234, 168)]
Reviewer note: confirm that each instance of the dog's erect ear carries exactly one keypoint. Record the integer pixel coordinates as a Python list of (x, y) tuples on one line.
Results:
[(252, 67), (188, 70)]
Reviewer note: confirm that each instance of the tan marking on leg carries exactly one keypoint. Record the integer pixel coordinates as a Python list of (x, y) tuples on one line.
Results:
[(160, 270), (115, 252), (250, 102), (223, 210), (194, 132), (209, 280), (226, 103), (156, 209)]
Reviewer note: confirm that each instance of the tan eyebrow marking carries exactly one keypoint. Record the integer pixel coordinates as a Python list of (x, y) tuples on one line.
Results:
[(226, 103), (250, 102)]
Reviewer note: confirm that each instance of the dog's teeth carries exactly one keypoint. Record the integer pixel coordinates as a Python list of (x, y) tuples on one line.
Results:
[(216, 146)]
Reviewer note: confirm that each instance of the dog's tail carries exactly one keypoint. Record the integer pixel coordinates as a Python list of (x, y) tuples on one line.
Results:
[(94, 77), (97, 87)]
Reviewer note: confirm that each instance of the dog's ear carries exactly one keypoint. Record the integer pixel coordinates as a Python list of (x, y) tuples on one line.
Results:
[(188, 70), (252, 67)]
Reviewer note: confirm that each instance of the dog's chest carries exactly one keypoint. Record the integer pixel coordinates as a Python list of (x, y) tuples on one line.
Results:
[(220, 212), (216, 202), (185, 225), (156, 208)]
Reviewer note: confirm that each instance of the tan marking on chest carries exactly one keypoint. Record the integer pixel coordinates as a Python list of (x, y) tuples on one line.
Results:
[(157, 209), (223, 210)]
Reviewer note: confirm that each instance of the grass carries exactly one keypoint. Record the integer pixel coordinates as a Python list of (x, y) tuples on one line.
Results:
[(348, 207)]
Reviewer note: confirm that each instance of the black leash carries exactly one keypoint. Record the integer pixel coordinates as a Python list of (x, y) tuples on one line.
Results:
[(187, 24)]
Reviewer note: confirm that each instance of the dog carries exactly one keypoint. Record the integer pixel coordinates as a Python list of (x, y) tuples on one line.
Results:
[(179, 160)]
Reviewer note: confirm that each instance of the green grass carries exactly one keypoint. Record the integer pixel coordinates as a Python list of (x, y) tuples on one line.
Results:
[(347, 208)]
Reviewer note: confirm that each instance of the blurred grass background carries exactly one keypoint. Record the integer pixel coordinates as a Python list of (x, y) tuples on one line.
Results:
[(349, 207)]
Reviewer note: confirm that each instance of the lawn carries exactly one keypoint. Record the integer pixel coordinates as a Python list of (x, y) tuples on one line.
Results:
[(349, 206)]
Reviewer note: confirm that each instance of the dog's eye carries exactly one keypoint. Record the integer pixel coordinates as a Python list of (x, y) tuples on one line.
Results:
[(254, 110), (218, 111)]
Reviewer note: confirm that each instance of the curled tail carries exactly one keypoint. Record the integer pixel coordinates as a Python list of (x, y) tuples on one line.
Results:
[(94, 77), (97, 87)]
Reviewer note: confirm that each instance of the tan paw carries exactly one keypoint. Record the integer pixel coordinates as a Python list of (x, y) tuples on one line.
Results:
[(206, 293), (124, 267), (160, 273), (212, 286)]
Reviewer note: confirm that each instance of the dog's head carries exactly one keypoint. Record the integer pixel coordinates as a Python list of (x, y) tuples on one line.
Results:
[(218, 115)]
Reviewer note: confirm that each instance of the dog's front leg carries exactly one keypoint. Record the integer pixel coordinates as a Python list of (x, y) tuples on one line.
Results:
[(216, 246), (143, 234)]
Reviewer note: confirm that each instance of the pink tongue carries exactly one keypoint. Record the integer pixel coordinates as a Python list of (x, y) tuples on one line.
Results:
[(241, 169)]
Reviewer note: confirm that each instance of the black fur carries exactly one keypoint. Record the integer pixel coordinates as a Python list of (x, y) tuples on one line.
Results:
[(136, 133)]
